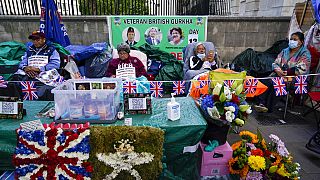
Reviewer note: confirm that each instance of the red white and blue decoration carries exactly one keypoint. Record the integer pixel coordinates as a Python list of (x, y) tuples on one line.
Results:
[(300, 85), (156, 89), (203, 83), (179, 87), (228, 83), (29, 90), (279, 86), (3, 83), (129, 87), (52, 154), (250, 86)]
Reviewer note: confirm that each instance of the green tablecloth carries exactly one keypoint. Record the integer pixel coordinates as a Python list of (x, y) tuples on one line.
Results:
[(184, 132)]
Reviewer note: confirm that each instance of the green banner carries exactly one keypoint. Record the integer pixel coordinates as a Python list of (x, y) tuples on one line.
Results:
[(169, 33)]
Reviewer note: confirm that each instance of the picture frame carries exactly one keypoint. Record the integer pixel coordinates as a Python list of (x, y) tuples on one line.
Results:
[(137, 103)]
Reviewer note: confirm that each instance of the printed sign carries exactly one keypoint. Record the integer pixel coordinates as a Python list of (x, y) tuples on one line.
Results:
[(137, 103), (170, 34), (37, 61), (32, 125), (8, 107), (126, 71)]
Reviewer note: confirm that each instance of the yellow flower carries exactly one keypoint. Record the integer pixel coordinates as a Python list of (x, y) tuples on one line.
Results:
[(257, 163), (242, 172), (283, 172), (252, 138)]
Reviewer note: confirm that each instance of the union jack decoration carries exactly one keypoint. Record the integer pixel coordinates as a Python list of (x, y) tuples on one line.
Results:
[(52, 154), (251, 86), (203, 83), (279, 86), (156, 89), (228, 83), (29, 90), (300, 85), (3, 83), (129, 87), (178, 87)]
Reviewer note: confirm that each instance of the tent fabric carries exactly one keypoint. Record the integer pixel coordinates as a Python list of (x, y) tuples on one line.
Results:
[(316, 7), (10, 57), (172, 69), (258, 64)]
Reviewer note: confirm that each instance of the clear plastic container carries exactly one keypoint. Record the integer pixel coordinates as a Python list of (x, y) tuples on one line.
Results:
[(87, 100)]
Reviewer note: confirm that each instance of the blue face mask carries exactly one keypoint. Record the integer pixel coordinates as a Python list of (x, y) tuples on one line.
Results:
[(201, 55), (293, 44)]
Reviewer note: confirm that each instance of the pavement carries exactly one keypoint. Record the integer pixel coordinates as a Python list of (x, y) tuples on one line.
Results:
[(294, 131)]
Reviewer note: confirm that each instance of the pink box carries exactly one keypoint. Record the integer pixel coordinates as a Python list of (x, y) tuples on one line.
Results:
[(211, 165)]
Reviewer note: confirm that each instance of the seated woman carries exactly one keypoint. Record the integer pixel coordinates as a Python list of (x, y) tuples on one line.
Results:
[(125, 60), (200, 61), (294, 60)]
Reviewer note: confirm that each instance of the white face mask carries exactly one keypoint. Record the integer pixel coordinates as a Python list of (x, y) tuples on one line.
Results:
[(201, 55), (293, 44)]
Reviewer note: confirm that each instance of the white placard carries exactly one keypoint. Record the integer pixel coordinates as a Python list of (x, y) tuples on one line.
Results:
[(193, 38), (8, 107), (37, 61), (32, 125), (191, 149), (125, 71), (128, 121)]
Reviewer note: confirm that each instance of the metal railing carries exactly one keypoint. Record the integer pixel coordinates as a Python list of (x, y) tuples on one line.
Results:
[(120, 7)]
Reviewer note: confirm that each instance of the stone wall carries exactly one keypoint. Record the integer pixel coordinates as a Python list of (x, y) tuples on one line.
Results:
[(231, 35)]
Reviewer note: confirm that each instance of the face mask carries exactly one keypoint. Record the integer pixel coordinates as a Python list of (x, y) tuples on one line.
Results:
[(201, 55), (293, 44)]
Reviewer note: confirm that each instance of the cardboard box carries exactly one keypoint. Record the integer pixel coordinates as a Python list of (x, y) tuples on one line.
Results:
[(11, 108), (215, 162)]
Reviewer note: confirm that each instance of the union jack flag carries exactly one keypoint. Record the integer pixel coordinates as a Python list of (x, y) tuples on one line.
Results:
[(129, 87), (3, 83), (29, 90), (52, 154), (178, 87), (279, 86), (300, 85), (228, 83), (203, 83), (251, 86), (156, 89)]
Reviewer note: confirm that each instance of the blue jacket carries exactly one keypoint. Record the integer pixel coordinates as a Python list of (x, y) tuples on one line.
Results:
[(46, 50)]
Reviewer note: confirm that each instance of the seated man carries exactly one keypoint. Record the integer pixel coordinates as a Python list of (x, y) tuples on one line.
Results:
[(125, 61), (41, 56)]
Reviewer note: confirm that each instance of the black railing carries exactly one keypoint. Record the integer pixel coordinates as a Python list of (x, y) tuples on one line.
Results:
[(120, 7)]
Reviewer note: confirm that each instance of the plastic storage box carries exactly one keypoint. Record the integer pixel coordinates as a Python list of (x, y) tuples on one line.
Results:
[(87, 100)]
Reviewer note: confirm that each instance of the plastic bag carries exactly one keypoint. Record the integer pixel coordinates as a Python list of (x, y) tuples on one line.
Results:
[(96, 67)]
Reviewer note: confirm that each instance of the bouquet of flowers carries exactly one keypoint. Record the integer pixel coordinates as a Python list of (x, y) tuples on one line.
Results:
[(253, 158), (226, 105)]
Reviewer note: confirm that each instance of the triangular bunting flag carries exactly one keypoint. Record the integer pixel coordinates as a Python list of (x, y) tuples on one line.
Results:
[(279, 86), (129, 87), (29, 90), (178, 87), (300, 85), (156, 89)]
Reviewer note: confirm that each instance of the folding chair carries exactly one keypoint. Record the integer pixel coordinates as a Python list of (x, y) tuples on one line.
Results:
[(315, 104), (314, 143)]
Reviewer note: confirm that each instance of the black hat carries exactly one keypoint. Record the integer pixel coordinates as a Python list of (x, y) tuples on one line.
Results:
[(130, 29)]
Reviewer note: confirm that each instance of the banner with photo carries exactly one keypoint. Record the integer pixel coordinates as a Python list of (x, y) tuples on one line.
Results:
[(170, 34)]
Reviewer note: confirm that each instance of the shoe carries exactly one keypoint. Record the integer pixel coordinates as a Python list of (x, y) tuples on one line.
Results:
[(260, 108)]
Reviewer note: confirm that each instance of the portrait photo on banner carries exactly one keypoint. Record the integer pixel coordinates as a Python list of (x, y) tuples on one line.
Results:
[(131, 35), (153, 35)]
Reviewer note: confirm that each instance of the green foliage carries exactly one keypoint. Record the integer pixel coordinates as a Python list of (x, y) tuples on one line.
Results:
[(147, 139), (114, 7)]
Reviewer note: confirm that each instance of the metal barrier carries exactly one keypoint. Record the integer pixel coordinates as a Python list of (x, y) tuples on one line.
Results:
[(120, 7)]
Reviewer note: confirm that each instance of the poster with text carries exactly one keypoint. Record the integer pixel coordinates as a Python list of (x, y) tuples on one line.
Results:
[(168, 33)]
